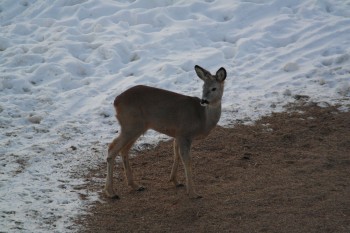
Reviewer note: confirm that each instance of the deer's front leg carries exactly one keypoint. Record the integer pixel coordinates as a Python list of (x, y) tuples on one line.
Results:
[(173, 174), (184, 149)]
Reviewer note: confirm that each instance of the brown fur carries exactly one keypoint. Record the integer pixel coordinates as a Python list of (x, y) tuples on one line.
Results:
[(182, 117)]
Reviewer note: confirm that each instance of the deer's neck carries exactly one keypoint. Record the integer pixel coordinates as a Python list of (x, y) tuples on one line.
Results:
[(212, 116)]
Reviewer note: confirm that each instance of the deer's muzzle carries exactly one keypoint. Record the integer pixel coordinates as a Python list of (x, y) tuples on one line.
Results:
[(204, 102)]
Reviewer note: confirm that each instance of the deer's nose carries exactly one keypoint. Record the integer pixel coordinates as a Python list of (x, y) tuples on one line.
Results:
[(204, 102)]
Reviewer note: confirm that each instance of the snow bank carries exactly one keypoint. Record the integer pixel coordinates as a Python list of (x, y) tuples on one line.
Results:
[(63, 62)]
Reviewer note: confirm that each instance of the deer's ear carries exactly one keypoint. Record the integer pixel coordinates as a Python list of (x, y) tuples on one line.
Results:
[(221, 74), (202, 73)]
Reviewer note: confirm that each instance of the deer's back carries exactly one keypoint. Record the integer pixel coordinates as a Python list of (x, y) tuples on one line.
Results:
[(164, 111)]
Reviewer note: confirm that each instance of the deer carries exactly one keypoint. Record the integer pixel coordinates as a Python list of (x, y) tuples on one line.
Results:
[(181, 117)]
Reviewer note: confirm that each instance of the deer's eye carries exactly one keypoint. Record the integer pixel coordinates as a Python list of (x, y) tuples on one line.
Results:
[(213, 89)]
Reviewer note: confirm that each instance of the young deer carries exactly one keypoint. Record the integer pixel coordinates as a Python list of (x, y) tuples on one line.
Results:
[(182, 117)]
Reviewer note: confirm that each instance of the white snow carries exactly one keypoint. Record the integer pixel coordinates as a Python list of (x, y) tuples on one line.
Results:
[(63, 62)]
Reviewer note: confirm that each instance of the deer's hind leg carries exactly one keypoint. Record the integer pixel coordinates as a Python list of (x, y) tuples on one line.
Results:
[(120, 144), (127, 169), (113, 150)]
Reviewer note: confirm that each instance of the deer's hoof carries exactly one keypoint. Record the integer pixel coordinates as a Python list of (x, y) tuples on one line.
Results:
[(180, 185), (111, 194), (140, 189), (195, 196)]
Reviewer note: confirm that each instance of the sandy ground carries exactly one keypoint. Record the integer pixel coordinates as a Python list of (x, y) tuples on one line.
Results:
[(290, 172)]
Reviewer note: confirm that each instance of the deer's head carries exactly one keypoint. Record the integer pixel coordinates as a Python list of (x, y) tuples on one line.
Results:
[(213, 87)]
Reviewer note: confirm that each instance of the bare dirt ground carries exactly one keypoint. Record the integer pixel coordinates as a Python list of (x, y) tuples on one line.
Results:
[(290, 172)]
